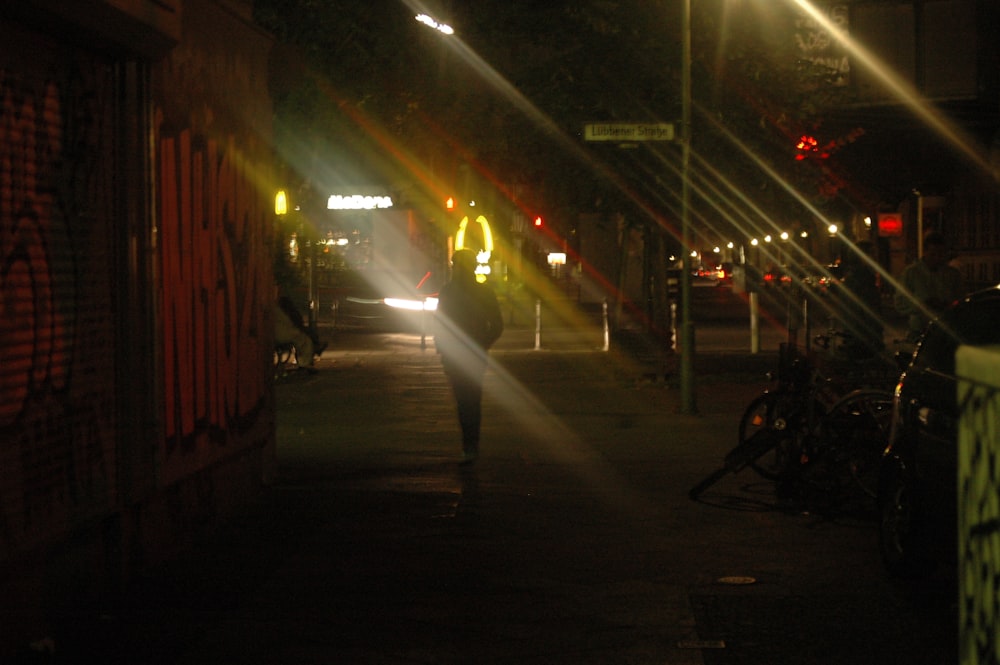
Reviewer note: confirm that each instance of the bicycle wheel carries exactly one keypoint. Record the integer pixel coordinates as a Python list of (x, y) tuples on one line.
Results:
[(775, 415), (855, 433)]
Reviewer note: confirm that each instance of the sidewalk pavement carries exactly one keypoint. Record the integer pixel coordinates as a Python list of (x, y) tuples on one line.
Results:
[(572, 540)]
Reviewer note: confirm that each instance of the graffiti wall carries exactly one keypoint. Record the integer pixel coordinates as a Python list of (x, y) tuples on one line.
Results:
[(135, 282), (57, 281), (215, 225), (64, 265)]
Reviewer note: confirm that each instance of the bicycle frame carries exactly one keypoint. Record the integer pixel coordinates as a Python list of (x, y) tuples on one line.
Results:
[(791, 426)]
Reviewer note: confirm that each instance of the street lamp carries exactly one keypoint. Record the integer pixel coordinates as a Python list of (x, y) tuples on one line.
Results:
[(443, 28)]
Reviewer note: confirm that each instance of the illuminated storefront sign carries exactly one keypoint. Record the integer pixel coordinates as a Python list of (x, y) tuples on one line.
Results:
[(358, 202), (482, 253)]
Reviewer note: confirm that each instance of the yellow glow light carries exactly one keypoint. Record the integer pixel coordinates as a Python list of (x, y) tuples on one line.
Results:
[(482, 255), (280, 203)]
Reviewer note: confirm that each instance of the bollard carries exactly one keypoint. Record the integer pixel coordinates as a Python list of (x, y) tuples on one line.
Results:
[(607, 334), (673, 327), (806, 324), (538, 324), (423, 327)]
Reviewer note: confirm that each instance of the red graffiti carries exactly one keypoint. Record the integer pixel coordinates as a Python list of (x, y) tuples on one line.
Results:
[(214, 250), (57, 400), (32, 327)]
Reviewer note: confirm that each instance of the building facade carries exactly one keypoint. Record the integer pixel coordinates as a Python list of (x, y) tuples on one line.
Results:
[(920, 135), (136, 222)]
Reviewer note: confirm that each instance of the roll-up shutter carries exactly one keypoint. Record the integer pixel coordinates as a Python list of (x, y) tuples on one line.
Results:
[(57, 284)]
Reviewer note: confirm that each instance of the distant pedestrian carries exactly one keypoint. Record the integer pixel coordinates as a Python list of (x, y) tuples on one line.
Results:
[(861, 306), (468, 324), (290, 330), (929, 285)]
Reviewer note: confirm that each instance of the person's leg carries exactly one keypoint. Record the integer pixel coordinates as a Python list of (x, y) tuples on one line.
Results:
[(305, 352), (469, 399), (286, 332), (467, 386)]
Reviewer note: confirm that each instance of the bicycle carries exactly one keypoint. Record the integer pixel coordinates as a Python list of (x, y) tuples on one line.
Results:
[(813, 431)]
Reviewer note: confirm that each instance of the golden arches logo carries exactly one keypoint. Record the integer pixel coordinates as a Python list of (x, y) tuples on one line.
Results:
[(483, 254)]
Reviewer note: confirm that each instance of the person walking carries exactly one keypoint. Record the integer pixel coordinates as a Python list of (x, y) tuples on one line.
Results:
[(290, 330), (929, 285), (468, 324), (861, 304)]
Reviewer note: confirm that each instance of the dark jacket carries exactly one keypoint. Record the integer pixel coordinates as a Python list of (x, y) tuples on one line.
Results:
[(468, 319)]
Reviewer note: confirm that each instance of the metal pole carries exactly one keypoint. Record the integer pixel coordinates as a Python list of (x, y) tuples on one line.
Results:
[(538, 324), (804, 321), (312, 286), (920, 224), (673, 327), (688, 404), (423, 326), (607, 331)]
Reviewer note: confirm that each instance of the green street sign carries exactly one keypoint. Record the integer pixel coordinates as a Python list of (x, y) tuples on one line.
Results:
[(625, 132)]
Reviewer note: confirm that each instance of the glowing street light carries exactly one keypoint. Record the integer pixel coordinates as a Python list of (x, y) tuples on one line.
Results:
[(443, 28)]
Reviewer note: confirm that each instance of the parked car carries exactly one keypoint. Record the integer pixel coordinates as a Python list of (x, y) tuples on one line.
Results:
[(725, 270), (775, 276), (917, 494), (824, 278)]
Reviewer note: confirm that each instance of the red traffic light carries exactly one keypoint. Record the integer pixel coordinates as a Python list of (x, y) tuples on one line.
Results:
[(450, 203), (538, 222)]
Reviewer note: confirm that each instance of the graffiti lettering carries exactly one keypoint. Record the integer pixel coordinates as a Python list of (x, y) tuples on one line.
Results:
[(30, 317), (815, 44), (56, 386), (214, 250)]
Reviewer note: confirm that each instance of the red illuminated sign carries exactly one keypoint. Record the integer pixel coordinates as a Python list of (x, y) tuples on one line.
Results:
[(890, 224)]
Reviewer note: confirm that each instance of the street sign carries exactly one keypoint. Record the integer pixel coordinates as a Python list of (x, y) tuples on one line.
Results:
[(625, 132)]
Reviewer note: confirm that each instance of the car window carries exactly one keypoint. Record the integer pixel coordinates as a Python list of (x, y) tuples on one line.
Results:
[(973, 323)]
